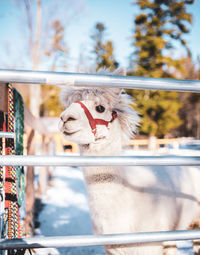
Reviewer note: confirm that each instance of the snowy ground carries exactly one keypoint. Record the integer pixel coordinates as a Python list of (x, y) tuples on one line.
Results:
[(66, 211)]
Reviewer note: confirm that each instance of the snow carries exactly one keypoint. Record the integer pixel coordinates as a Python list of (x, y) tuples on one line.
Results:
[(65, 211)]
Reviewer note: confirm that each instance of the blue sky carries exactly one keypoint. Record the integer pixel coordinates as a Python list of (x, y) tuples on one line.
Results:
[(117, 15)]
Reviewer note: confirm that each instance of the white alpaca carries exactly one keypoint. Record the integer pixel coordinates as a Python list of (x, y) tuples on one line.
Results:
[(125, 199)]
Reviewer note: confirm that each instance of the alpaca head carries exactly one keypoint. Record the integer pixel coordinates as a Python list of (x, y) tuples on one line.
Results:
[(93, 114)]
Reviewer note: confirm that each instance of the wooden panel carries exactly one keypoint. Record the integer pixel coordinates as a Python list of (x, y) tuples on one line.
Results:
[(3, 97)]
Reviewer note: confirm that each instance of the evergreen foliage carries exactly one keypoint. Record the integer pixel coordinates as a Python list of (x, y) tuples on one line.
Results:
[(51, 106), (190, 112), (160, 24), (57, 49), (104, 51), (159, 111)]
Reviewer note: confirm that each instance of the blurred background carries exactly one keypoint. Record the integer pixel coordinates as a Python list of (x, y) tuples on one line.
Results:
[(149, 38)]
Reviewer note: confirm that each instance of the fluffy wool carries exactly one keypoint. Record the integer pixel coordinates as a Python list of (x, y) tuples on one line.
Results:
[(113, 99), (126, 199)]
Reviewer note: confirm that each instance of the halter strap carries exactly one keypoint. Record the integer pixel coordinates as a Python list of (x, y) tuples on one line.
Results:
[(93, 122)]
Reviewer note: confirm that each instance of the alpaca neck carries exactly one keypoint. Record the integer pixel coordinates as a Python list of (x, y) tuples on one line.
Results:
[(111, 146), (99, 179)]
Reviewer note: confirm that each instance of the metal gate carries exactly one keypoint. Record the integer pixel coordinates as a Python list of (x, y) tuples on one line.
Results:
[(90, 80)]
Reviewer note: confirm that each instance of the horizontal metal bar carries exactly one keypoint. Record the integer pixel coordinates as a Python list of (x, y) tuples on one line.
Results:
[(94, 80), (98, 161), (7, 135), (96, 240)]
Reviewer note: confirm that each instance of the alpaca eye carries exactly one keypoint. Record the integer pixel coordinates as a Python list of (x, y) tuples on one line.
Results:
[(100, 108)]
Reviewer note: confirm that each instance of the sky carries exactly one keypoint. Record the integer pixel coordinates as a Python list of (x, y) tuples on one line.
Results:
[(117, 16)]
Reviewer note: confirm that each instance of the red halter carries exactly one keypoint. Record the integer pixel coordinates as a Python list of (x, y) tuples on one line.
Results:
[(93, 122)]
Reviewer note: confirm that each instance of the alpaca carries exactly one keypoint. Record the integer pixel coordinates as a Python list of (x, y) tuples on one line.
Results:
[(125, 199)]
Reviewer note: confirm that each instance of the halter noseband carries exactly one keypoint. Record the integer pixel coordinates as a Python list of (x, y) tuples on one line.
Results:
[(94, 122)]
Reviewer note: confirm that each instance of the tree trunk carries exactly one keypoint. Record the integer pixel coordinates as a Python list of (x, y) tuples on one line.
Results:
[(35, 52)]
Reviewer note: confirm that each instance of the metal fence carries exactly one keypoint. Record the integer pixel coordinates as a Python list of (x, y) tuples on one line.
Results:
[(7, 135), (98, 161), (96, 240), (88, 80), (94, 80)]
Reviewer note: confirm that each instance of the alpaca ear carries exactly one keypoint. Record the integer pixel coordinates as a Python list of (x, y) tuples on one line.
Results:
[(120, 71), (66, 95)]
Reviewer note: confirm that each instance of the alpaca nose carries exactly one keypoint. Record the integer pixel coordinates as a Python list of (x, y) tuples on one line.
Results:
[(66, 118)]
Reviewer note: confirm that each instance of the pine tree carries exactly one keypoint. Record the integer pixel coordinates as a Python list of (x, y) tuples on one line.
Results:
[(190, 112), (159, 111), (160, 23), (104, 51)]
